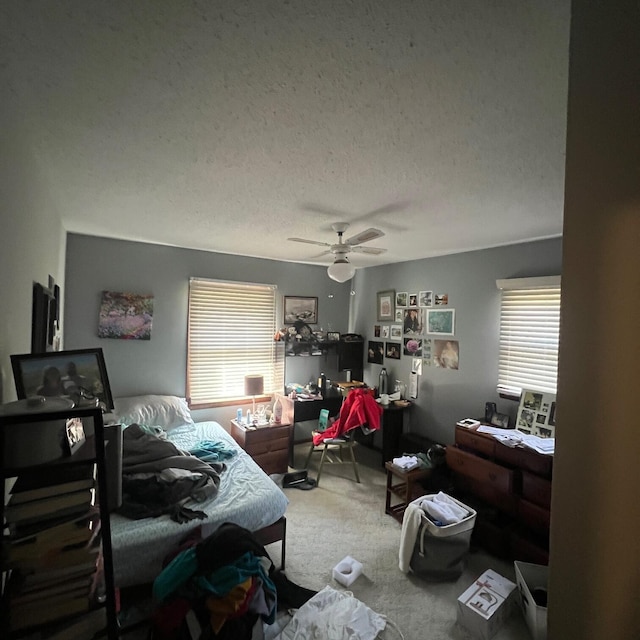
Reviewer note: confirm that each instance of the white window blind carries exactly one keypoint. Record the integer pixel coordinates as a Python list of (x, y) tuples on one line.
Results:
[(230, 334), (529, 335)]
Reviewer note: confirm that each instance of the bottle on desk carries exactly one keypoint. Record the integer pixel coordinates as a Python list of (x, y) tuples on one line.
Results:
[(322, 384), (383, 382)]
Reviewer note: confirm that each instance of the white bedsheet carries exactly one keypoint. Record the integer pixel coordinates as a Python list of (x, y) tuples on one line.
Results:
[(247, 497)]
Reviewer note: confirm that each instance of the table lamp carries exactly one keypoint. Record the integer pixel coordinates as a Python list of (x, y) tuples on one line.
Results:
[(253, 386)]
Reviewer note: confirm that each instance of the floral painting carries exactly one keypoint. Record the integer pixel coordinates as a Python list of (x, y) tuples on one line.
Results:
[(127, 316)]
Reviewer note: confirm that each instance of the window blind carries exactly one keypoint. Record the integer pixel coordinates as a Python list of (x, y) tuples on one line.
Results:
[(529, 335), (230, 334)]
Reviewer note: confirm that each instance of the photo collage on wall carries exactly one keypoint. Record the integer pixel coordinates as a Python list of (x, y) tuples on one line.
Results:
[(537, 413), (413, 320)]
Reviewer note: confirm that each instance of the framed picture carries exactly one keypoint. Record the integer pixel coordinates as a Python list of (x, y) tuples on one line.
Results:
[(413, 299), (385, 306), (333, 336), (392, 350), (402, 297), (80, 374), (396, 332), (375, 352), (536, 413), (300, 308), (399, 315), (425, 298), (74, 433), (125, 316), (441, 321), (385, 331), (412, 347)]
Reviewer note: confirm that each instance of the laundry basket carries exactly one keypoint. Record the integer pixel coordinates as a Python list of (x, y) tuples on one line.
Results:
[(440, 552)]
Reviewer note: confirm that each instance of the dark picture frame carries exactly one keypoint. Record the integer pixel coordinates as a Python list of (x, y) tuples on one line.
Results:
[(49, 374), (303, 308), (385, 305), (333, 336), (375, 352), (392, 350)]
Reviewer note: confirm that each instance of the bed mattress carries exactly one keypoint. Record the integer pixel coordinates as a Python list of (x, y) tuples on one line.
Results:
[(247, 497)]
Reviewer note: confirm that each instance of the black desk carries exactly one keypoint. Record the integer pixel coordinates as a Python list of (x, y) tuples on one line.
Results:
[(310, 409), (392, 427), (304, 410)]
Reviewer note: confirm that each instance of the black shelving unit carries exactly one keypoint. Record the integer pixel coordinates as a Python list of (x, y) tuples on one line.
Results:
[(27, 436)]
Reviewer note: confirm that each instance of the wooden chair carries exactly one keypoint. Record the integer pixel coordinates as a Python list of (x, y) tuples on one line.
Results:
[(332, 452)]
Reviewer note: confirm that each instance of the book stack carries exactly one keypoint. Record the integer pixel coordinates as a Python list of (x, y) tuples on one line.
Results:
[(53, 547)]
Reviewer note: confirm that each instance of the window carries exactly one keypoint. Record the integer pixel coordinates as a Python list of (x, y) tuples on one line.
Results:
[(230, 334), (529, 335)]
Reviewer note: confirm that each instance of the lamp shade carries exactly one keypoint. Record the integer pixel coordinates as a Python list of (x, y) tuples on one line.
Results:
[(253, 385), (341, 270)]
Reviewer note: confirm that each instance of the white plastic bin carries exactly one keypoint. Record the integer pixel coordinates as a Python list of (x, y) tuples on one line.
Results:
[(440, 552)]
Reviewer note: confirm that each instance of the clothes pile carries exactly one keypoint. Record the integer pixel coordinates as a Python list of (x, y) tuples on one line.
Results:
[(158, 478), (226, 583)]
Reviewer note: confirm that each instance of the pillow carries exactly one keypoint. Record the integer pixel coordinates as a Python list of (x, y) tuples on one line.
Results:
[(167, 412)]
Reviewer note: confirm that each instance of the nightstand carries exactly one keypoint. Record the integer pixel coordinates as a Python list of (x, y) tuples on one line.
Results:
[(268, 446)]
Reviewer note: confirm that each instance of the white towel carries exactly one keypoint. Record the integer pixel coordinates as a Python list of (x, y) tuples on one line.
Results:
[(406, 462), (444, 509)]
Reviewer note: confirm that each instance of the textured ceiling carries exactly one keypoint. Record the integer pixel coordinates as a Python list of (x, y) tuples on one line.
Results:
[(232, 125)]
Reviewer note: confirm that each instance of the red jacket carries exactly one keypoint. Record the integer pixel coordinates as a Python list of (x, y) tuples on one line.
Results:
[(359, 408)]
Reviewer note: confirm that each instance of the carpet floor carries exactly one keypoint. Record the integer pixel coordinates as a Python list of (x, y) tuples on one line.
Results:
[(341, 517)]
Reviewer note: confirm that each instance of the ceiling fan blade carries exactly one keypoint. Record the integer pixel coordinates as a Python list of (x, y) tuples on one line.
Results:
[(321, 244), (372, 251), (364, 236)]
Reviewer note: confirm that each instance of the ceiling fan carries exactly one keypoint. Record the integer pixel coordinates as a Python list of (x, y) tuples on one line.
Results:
[(342, 270)]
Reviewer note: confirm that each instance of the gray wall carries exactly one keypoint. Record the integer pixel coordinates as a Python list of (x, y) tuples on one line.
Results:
[(32, 240), (159, 365), (444, 395)]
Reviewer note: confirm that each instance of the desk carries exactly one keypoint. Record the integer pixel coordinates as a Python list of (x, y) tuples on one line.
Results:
[(310, 409), (391, 427)]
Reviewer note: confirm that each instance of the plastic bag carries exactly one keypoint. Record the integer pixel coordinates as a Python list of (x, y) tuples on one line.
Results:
[(333, 615)]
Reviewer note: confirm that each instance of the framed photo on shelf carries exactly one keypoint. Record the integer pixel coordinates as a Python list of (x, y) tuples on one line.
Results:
[(301, 308), (385, 307), (80, 374), (333, 336), (75, 436)]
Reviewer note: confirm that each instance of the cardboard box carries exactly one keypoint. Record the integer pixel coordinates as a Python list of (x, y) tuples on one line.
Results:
[(485, 606), (532, 580)]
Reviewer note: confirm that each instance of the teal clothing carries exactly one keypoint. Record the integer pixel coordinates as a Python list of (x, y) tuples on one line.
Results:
[(210, 451), (175, 574)]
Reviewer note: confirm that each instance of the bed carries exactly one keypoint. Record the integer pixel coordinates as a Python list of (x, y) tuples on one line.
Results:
[(247, 496)]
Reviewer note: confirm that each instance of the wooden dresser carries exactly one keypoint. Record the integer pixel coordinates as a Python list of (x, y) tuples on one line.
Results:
[(511, 490)]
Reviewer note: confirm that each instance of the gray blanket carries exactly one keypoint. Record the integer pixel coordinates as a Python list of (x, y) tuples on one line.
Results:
[(159, 478)]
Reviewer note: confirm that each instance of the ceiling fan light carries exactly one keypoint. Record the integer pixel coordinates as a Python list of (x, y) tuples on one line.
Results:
[(341, 270)]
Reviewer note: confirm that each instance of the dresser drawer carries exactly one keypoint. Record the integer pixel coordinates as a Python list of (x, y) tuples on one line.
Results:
[(467, 464), (534, 517), (536, 489), (471, 440), (273, 461), (259, 446)]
